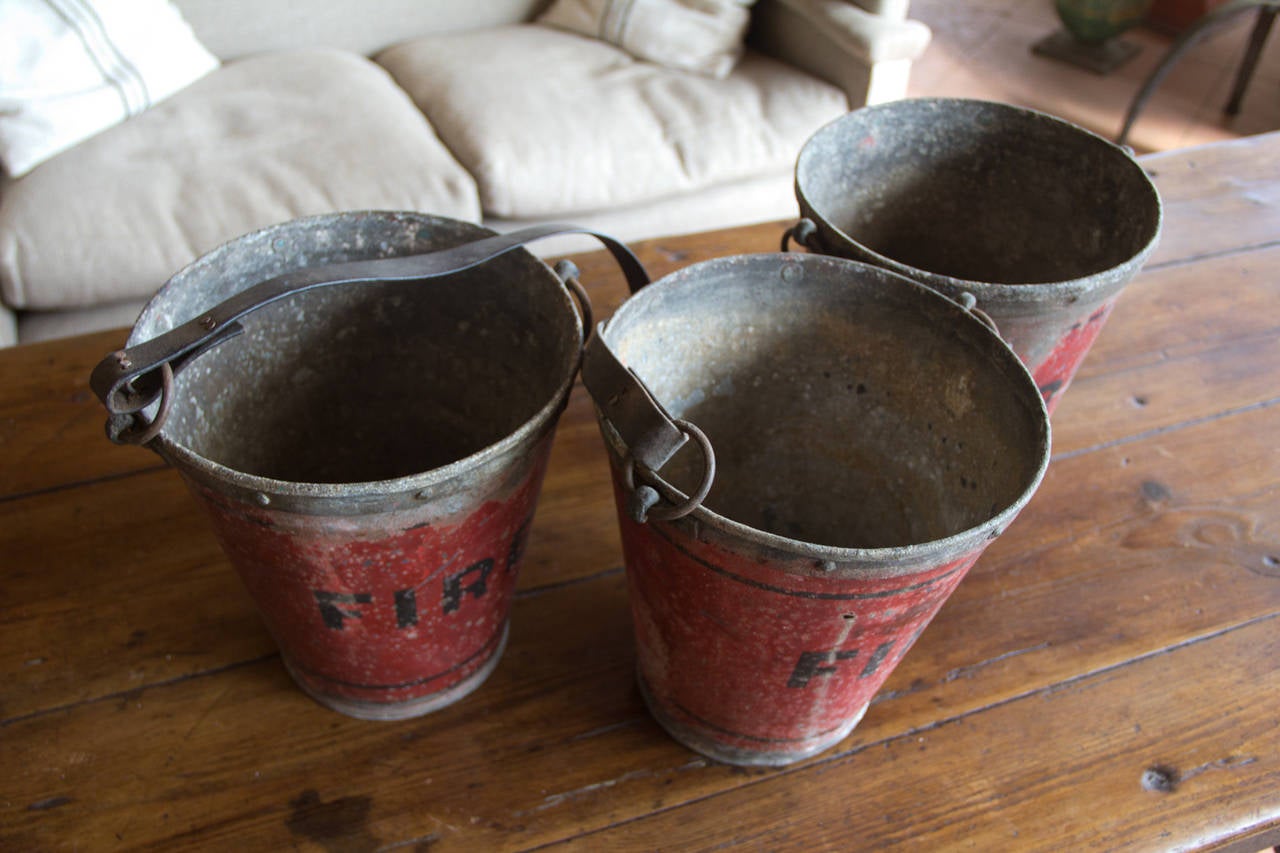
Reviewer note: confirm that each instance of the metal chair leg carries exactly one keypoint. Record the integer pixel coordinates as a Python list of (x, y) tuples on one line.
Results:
[(1185, 42), (1257, 38)]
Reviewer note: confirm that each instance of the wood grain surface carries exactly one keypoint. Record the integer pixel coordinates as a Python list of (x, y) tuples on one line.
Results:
[(1105, 678)]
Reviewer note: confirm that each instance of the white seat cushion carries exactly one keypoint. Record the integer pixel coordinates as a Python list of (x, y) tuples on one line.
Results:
[(258, 141), (589, 126)]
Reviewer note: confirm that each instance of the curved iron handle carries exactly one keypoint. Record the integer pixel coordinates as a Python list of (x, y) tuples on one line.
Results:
[(131, 379), (802, 232)]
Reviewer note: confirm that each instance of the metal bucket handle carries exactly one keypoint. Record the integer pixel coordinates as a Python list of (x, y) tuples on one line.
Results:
[(651, 434), (129, 380)]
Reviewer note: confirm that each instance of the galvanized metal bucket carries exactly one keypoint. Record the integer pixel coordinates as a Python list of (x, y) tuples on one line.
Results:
[(1041, 221), (859, 440), (370, 454)]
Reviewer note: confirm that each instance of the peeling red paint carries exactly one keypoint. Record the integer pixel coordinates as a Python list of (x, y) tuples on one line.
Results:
[(382, 608), (1054, 374), (741, 656)]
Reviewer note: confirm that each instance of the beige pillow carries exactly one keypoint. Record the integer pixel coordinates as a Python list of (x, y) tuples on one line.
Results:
[(693, 35)]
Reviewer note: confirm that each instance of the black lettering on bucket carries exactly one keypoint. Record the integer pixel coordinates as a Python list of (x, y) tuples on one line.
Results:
[(516, 551), (877, 658), (331, 611), (454, 589), (406, 608), (813, 664)]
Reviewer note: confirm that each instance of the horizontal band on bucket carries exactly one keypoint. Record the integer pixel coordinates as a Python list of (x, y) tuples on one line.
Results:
[(757, 738), (800, 593), (487, 649)]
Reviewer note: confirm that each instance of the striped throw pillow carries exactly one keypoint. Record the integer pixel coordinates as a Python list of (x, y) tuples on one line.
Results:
[(72, 68), (692, 35)]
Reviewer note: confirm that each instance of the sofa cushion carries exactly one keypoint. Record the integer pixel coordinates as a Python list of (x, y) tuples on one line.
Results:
[(258, 141), (237, 28), (694, 35), (600, 128)]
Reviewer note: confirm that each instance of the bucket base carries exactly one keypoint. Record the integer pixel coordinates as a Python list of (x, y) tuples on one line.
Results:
[(385, 711), (697, 739)]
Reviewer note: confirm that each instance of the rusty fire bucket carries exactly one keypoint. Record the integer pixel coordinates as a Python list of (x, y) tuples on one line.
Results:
[(370, 454), (859, 440), (1040, 220)]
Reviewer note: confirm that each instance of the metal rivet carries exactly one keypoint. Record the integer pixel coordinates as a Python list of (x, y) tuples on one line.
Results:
[(262, 498), (642, 500), (208, 323), (829, 565)]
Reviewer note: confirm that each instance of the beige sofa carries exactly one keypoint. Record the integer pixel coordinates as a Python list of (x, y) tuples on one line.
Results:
[(462, 109)]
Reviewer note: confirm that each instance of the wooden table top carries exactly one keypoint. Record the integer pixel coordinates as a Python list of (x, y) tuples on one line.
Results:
[(1129, 621)]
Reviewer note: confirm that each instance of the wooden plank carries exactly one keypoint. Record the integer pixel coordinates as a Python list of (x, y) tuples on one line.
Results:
[(984, 781), (1206, 186), (120, 584), (51, 425), (1160, 362), (1181, 309), (1107, 408), (241, 754), (243, 757), (1170, 564), (112, 587), (1122, 552)]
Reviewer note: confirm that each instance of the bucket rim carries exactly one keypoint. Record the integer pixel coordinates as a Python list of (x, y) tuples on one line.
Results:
[(1008, 293), (388, 489), (887, 560), (528, 432)]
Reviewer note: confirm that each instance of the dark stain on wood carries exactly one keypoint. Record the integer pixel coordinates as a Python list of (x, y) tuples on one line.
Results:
[(50, 803), (1155, 491), (338, 825)]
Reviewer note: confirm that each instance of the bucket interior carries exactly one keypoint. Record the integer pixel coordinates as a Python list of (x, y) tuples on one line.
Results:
[(847, 406), (366, 382), (977, 191)]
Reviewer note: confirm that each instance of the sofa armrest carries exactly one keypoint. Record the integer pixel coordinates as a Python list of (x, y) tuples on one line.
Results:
[(842, 43)]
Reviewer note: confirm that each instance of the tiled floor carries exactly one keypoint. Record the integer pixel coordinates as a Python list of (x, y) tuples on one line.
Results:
[(982, 49)]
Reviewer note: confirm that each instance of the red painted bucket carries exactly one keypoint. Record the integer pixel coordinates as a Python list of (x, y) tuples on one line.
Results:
[(860, 439), (370, 454), (1041, 221)]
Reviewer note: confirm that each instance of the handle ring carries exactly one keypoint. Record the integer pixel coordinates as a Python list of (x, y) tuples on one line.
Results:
[(567, 272), (140, 432), (680, 510), (802, 232)]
